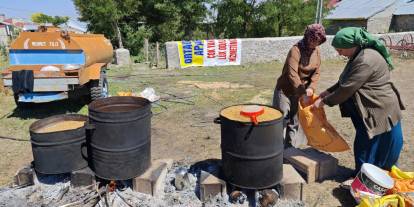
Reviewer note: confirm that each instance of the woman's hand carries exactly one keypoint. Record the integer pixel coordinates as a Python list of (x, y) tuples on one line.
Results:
[(323, 94), (309, 92), (318, 103)]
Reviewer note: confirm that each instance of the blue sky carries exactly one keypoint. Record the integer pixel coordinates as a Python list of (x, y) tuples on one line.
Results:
[(25, 8)]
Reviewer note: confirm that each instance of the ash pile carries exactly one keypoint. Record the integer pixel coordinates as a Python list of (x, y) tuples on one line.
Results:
[(164, 184)]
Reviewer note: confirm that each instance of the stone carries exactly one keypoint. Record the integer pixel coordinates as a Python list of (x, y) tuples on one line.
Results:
[(291, 184), (82, 177), (268, 197), (181, 179), (152, 182), (122, 57), (210, 186), (24, 176)]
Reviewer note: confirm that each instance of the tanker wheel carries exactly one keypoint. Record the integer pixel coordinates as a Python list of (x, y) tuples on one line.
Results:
[(99, 88)]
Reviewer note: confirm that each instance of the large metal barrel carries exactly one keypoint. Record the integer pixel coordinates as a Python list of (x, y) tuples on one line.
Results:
[(59, 144), (120, 137), (252, 155)]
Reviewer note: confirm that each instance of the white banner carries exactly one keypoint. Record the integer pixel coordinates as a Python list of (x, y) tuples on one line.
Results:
[(217, 52)]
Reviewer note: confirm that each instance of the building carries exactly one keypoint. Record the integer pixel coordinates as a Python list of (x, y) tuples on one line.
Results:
[(377, 16), (6, 33), (403, 19)]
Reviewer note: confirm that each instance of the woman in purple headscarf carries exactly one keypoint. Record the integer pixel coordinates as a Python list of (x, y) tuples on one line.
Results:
[(299, 77)]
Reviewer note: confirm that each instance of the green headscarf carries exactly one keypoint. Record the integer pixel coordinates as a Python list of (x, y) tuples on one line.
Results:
[(354, 36)]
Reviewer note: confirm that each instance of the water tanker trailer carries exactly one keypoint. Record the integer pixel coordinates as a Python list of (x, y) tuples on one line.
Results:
[(50, 65)]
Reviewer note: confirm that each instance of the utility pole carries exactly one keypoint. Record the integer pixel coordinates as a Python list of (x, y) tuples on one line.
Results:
[(319, 9)]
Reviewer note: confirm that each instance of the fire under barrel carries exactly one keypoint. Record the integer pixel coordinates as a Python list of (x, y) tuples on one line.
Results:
[(252, 153)]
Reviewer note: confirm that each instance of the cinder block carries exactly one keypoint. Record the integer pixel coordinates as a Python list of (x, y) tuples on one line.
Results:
[(82, 177), (301, 162), (292, 184), (24, 176), (122, 57), (152, 182), (210, 186), (328, 165), (316, 165)]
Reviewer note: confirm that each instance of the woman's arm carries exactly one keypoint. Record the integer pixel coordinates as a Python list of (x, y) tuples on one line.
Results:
[(356, 77), (292, 61), (315, 76)]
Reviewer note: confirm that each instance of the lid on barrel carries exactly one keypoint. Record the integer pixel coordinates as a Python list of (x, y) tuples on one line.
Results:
[(243, 113)]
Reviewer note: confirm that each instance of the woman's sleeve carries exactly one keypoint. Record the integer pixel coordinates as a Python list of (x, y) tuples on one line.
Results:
[(333, 88), (356, 77), (316, 74), (292, 61)]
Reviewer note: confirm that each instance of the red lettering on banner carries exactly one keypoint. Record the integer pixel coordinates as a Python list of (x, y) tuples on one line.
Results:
[(222, 55), (222, 45), (233, 50), (211, 49)]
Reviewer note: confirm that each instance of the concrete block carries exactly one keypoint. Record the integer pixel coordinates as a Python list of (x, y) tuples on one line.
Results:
[(24, 176), (328, 164), (301, 162), (292, 184), (152, 182), (210, 186), (173, 58), (122, 57), (167, 161), (316, 165), (82, 177)]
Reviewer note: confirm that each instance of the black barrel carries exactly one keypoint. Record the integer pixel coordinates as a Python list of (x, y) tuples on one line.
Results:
[(59, 151), (120, 137), (252, 155)]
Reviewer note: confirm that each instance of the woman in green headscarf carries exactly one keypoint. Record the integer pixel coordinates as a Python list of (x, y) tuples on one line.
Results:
[(366, 94)]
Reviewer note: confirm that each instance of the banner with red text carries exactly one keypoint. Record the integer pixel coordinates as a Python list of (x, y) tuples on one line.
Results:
[(216, 52)]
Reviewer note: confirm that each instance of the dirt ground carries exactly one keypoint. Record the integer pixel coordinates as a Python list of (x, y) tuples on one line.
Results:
[(182, 125)]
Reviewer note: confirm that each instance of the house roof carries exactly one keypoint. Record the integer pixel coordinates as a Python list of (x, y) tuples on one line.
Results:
[(358, 9), (5, 23), (405, 7)]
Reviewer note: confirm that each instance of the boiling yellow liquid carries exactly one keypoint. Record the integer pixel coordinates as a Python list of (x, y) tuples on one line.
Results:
[(61, 126)]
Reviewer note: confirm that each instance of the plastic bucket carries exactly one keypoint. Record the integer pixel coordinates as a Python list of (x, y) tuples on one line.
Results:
[(371, 180)]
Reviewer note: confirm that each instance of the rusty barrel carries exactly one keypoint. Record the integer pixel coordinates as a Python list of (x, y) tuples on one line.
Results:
[(59, 144), (252, 155), (119, 137)]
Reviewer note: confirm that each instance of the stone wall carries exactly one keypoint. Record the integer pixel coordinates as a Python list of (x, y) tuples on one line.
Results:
[(257, 50)]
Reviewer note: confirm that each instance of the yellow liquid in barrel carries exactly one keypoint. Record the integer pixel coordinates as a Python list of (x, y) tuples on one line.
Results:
[(233, 113), (61, 126)]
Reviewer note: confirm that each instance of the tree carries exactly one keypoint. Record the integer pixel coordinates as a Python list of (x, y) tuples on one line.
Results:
[(41, 18), (254, 18), (235, 18), (134, 20), (103, 16)]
